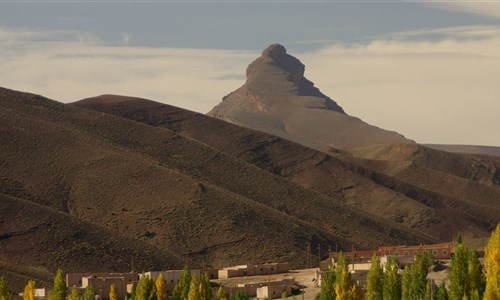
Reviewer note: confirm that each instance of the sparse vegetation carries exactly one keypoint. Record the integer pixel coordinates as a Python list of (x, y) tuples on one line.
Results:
[(248, 200)]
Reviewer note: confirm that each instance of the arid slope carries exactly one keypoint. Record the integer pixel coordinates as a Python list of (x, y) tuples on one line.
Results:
[(159, 189), (436, 210)]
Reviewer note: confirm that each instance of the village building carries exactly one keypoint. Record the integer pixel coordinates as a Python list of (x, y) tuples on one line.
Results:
[(101, 282), (263, 289), (253, 270)]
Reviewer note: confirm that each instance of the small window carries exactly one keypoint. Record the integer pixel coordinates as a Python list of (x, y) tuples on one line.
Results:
[(407, 253), (434, 252), (415, 253), (396, 253), (445, 252), (172, 281)]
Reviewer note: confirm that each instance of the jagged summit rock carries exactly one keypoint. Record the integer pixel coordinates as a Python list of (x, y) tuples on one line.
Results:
[(277, 98)]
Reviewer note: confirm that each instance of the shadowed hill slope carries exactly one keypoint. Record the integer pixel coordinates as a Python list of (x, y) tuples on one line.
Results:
[(276, 98), (164, 190), (438, 211), (36, 239)]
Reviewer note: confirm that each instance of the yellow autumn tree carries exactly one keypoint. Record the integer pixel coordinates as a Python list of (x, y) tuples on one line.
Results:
[(345, 287), (74, 294), (113, 294), (492, 266), (194, 293), (29, 290), (161, 287)]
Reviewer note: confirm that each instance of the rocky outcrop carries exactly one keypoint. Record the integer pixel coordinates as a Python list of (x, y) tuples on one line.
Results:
[(276, 98)]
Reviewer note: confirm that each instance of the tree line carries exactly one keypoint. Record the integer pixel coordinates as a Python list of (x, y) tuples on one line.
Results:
[(189, 287), (468, 280)]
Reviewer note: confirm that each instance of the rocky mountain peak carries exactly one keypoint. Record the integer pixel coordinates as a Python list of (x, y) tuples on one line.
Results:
[(276, 56), (278, 99), (274, 51)]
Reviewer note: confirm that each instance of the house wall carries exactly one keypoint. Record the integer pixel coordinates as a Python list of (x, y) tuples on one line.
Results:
[(229, 273), (75, 279), (273, 291), (102, 285)]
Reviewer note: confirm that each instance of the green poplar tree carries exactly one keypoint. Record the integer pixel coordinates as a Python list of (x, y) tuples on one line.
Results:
[(428, 291), (284, 296), (458, 273), (392, 280), (492, 266), (475, 276), (205, 288), (153, 295), (222, 294), (89, 293), (375, 280), (405, 283), (194, 293), (74, 294), (4, 291), (181, 288), (466, 279), (327, 291), (241, 295), (442, 293), (59, 291), (143, 289), (418, 276)]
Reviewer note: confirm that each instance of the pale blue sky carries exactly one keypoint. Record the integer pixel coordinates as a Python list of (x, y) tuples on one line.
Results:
[(428, 70)]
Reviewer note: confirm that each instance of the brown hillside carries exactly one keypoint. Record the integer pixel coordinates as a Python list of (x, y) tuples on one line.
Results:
[(439, 213), (167, 191), (35, 239)]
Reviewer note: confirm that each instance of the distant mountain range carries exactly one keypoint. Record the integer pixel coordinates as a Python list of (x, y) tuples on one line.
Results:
[(102, 182)]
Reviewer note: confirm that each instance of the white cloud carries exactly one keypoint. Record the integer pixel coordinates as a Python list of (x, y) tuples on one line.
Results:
[(435, 92), (440, 91), (70, 70)]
